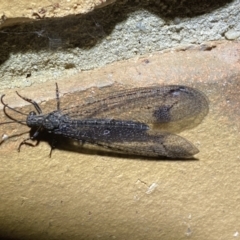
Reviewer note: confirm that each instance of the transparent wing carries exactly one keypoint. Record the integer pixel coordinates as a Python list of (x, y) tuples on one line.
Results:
[(161, 145), (172, 108), (127, 136)]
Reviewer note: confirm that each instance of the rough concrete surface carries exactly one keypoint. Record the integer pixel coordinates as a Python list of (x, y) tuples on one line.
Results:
[(82, 194), (94, 194), (57, 47)]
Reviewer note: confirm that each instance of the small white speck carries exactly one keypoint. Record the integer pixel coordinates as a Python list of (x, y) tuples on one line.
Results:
[(106, 132), (151, 188), (176, 93), (236, 234), (4, 137)]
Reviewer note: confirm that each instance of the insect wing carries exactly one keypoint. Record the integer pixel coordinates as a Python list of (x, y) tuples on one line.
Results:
[(172, 107), (129, 137), (167, 145)]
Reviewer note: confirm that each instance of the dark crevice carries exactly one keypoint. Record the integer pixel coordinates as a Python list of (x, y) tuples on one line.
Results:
[(85, 31)]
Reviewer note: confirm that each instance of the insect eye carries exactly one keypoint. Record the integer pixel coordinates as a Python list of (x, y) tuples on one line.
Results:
[(32, 113)]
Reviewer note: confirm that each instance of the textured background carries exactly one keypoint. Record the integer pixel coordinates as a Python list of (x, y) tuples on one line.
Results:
[(51, 48), (79, 194)]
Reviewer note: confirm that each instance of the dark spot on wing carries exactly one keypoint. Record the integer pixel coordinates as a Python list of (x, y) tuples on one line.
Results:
[(162, 114)]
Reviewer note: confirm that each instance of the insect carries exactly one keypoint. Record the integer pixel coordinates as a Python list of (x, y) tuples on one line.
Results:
[(139, 121)]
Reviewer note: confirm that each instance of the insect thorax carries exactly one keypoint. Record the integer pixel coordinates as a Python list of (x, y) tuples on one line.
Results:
[(47, 121)]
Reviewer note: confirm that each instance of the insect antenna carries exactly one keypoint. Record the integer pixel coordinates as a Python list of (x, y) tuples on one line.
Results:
[(23, 122), (57, 97), (36, 106), (6, 106)]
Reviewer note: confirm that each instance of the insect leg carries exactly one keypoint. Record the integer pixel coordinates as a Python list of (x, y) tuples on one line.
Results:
[(53, 146), (24, 142)]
